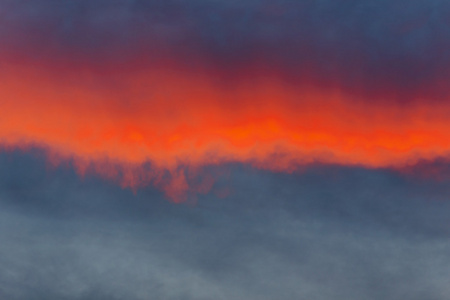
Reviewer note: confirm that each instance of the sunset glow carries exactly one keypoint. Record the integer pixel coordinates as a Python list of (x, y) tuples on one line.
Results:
[(173, 118)]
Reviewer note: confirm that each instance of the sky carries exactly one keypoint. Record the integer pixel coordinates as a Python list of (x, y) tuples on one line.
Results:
[(212, 149)]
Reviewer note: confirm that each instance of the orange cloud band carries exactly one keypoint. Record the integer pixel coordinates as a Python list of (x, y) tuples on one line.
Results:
[(171, 117)]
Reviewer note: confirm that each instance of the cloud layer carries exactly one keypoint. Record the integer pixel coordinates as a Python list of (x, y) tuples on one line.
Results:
[(293, 131), (329, 232), (275, 84), (376, 49)]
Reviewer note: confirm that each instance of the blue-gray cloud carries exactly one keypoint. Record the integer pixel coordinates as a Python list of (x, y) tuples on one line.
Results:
[(328, 232)]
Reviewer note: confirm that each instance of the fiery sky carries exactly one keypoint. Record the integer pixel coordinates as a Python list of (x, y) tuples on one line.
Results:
[(224, 149), (276, 84)]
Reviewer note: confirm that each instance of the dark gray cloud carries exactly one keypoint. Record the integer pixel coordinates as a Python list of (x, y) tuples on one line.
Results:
[(373, 48), (326, 233)]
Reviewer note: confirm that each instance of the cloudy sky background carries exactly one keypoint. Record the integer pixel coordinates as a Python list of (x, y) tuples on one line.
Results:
[(75, 225), (327, 232)]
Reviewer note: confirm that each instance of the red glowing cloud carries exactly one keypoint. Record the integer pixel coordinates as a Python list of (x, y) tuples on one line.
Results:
[(171, 118)]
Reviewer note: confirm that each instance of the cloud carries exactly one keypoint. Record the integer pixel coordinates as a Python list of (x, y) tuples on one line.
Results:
[(370, 49), (329, 232), (273, 83), (212, 98)]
